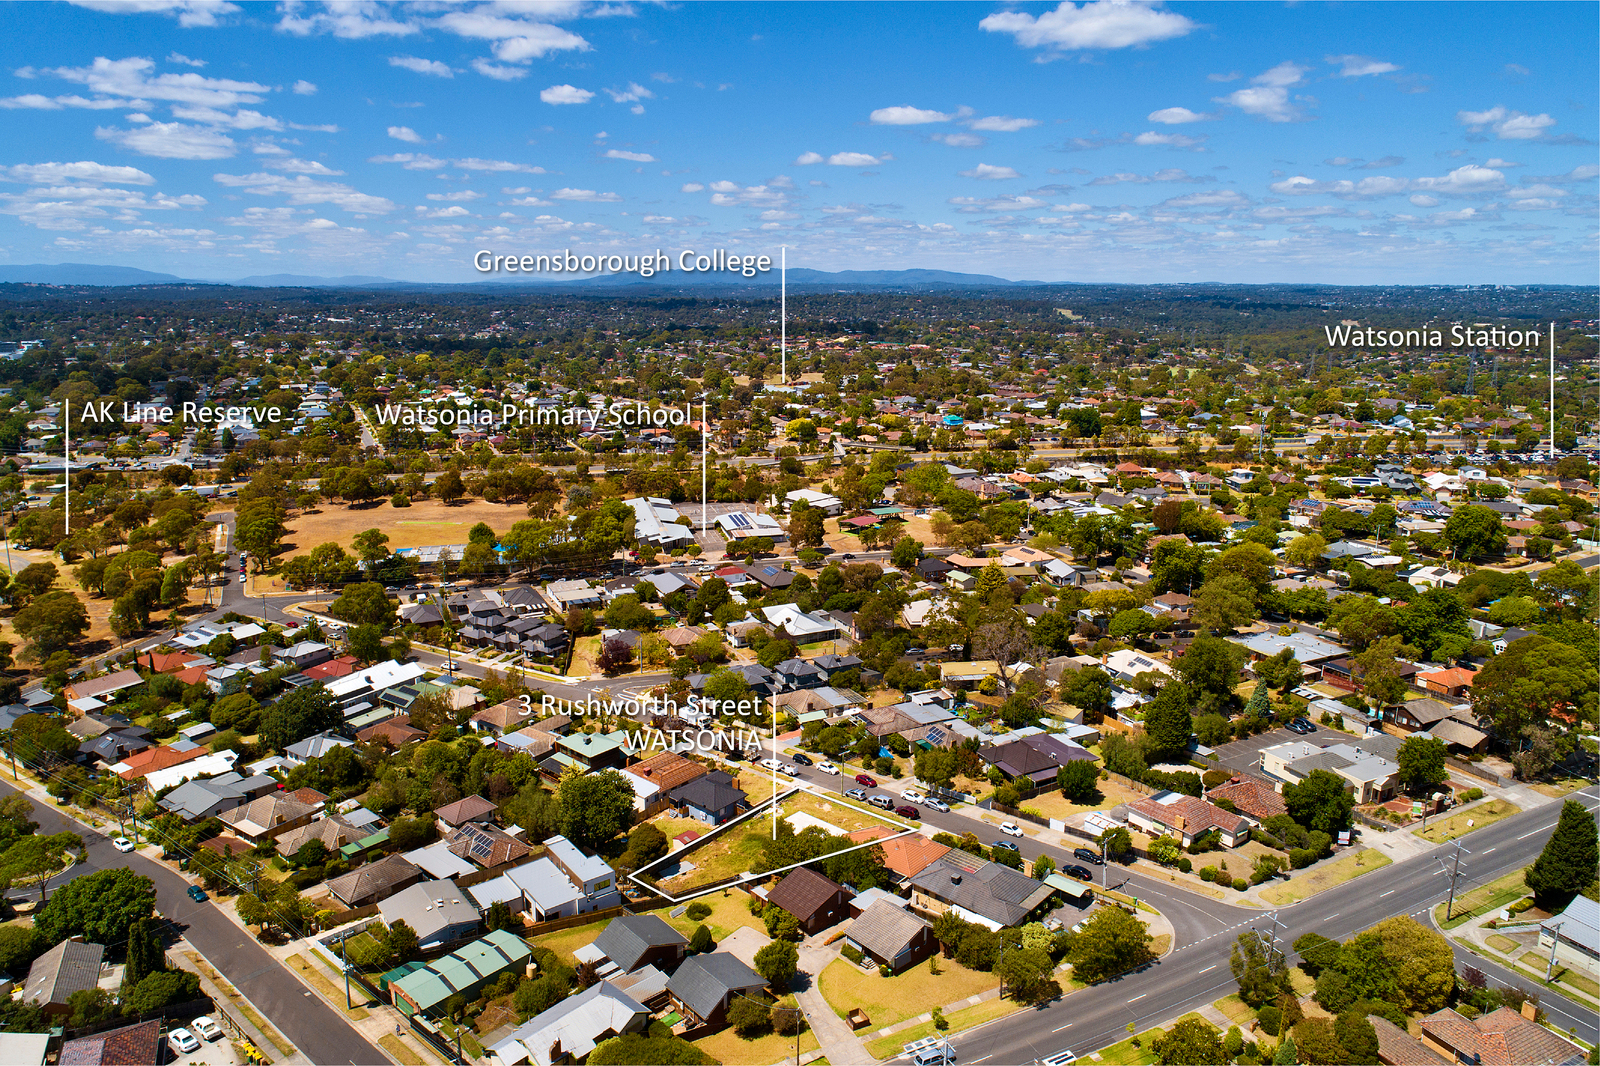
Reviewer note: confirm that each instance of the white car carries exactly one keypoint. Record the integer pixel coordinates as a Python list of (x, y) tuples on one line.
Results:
[(183, 1041), (123, 844), (770, 764), (1011, 829), (911, 795), (789, 770), (827, 768), (241, 581), (205, 1028), (936, 805)]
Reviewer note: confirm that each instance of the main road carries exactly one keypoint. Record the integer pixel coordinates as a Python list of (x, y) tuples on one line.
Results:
[(318, 1031), (1196, 973)]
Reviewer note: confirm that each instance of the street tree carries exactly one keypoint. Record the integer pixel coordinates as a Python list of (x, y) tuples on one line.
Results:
[(101, 907), (1112, 941), (364, 604), (1566, 865), (1191, 1042), (1259, 968), (1320, 802)]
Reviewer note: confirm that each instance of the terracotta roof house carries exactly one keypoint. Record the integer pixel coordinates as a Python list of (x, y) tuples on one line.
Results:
[(502, 717), (464, 810), (340, 666), (654, 778), (1186, 818), (1252, 798), (394, 732), (1396, 1047), (904, 856), (816, 901), (485, 845), (132, 1045), (71, 966), (375, 881), (1456, 681), (1500, 1038), (159, 758), (334, 832), (167, 662)]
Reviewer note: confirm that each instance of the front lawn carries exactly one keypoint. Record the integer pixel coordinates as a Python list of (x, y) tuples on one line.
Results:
[(1053, 804), (729, 911), (731, 1049), (1324, 876), (1469, 821), (1483, 899), (889, 1046), (888, 1000)]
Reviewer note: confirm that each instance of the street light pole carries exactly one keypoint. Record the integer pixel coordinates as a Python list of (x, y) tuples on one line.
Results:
[(1555, 939), (1454, 873)]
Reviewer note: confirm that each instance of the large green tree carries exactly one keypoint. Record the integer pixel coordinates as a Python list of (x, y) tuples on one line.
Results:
[(1421, 762), (1167, 720), (595, 807), (101, 907), (1474, 532), (1191, 1042), (1567, 864), (1112, 941), (52, 622), (300, 713), (1320, 802), (1533, 676), (1258, 967)]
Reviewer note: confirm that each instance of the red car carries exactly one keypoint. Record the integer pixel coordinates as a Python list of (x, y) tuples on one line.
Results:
[(866, 781)]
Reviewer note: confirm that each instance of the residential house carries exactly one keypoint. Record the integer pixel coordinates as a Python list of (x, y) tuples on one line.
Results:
[(375, 881), (653, 780), (313, 747), (1252, 799), (195, 800), (393, 732), (569, 1031), (632, 941), (503, 717), (977, 890), (1037, 757), (816, 901), (712, 798), (705, 986), (71, 966), (152, 760), (559, 884), (485, 845), (1371, 776), (891, 936), (1455, 682), (334, 832), (464, 810), (436, 910), (1503, 1037), (595, 751), (1186, 818), (464, 972), (903, 856), (131, 1045), (270, 816), (103, 688)]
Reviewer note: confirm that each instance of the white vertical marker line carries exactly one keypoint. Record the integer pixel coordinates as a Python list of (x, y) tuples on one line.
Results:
[(66, 455), (1552, 392), (783, 313), (774, 700), (705, 430)]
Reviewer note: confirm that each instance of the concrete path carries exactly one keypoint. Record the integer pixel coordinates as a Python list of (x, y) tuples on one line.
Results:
[(839, 1044)]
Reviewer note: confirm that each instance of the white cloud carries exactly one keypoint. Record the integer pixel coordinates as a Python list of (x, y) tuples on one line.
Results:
[(303, 191), (731, 194), (985, 172), (1177, 116), (351, 21), (1097, 24), (412, 160), (973, 205), (242, 119), (960, 140), (497, 71), (405, 133), (566, 94), (171, 140), (807, 159), (1164, 175), (1209, 198), (1232, 75), (1424, 200), (516, 40), (1361, 66), (855, 159), (302, 166), (1002, 124), (84, 171), (305, 88), (906, 115), (442, 212), (464, 196), (1173, 140), (1507, 125), (632, 157), (1586, 172), (37, 102), (693, 186), (1463, 181), (634, 92), (1501, 164), (1269, 96), (131, 78), (495, 166), (1528, 192), (183, 60), (586, 196), (189, 13), (418, 65)]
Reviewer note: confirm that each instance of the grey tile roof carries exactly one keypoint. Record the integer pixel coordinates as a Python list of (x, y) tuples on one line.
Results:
[(997, 892), (710, 792), (625, 939), (69, 967), (885, 930), (704, 980)]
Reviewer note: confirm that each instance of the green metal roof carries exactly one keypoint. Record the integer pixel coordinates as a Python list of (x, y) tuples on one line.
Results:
[(464, 970)]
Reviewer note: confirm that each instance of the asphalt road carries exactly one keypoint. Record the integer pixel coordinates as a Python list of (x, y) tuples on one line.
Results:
[(1197, 973), (303, 1017)]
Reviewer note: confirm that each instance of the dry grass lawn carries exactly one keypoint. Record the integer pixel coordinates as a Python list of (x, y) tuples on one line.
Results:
[(731, 1049), (424, 522), (1053, 804), (1457, 824), (730, 910), (888, 1000), (1238, 1011), (844, 817), (1325, 876), (963, 1019)]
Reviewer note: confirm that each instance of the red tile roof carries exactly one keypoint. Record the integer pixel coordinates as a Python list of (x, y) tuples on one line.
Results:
[(343, 666), (159, 758), (1252, 797)]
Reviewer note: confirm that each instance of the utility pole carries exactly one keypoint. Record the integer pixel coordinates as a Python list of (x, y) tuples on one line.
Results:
[(345, 959), (1454, 873), (1555, 939)]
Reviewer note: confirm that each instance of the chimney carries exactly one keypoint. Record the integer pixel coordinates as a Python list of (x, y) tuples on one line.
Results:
[(1530, 1010), (955, 879)]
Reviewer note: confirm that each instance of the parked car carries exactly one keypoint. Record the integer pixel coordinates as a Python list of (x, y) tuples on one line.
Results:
[(734, 755), (197, 893), (911, 795), (1011, 829), (1079, 872), (183, 1041), (936, 805), (769, 764), (1009, 845), (1088, 856), (827, 768), (866, 781), (789, 770), (908, 811), (122, 844), (878, 799), (1301, 726), (205, 1028), (856, 794), (802, 758)]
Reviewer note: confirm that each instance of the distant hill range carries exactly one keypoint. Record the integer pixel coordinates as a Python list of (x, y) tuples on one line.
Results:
[(799, 278)]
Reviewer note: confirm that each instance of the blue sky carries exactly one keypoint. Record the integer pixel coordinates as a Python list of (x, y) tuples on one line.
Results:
[(1104, 141)]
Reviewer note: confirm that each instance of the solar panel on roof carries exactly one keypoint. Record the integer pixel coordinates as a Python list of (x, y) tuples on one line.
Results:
[(936, 736)]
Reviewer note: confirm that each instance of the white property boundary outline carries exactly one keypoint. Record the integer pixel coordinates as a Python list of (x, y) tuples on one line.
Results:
[(748, 877)]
